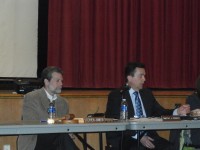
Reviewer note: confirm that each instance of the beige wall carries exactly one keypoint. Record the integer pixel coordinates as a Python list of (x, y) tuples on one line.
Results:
[(81, 103)]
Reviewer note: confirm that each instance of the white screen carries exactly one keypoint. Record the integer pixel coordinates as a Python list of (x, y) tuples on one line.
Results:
[(18, 38)]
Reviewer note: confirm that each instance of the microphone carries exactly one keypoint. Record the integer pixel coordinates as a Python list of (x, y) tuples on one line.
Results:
[(123, 89)]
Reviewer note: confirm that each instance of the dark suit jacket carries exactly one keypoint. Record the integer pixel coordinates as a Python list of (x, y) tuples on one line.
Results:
[(194, 102), (151, 106)]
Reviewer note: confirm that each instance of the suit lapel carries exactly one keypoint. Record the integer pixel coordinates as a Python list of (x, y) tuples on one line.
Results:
[(130, 104), (145, 102), (44, 100)]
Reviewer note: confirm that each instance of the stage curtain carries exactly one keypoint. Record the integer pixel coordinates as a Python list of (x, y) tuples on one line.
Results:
[(93, 40)]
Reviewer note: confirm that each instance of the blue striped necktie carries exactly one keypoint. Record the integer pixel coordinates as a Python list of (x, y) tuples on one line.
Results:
[(138, 105)]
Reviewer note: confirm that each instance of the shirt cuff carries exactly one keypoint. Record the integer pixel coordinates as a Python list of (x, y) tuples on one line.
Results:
[(175, 112)]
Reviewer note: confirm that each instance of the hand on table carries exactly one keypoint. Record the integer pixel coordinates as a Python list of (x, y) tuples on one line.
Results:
[(183, 110)]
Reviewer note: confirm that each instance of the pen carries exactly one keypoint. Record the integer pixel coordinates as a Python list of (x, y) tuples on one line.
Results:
[(43, 120)]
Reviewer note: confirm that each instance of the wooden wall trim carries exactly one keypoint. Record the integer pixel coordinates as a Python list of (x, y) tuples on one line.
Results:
[(85, 93), (101, 93), (104, 93), (172, 93)]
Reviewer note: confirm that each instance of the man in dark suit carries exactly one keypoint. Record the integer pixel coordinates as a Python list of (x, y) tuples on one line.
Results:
[(135, 76)]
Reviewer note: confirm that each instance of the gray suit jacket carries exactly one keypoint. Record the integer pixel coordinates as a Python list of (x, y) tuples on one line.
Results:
[(35, 107)]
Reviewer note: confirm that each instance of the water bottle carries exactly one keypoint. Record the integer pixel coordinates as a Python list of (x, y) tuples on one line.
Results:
[(124, 110), (51, 112)]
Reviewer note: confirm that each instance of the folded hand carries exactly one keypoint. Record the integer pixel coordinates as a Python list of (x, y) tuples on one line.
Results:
[(184, 109)]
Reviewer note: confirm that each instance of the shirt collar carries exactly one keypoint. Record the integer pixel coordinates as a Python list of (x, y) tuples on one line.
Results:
[(131, 91), (50, 97)]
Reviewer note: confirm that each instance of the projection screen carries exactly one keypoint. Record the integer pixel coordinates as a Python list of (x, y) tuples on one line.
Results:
[(18, 38)]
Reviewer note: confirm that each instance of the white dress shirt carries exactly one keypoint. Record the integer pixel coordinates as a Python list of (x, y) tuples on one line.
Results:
[(51, 97)]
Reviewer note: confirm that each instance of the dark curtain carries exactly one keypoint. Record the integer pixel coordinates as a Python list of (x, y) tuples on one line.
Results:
[(93, 40)]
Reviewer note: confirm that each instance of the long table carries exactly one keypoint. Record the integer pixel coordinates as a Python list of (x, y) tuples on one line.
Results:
[(158, 124), (37, 127)]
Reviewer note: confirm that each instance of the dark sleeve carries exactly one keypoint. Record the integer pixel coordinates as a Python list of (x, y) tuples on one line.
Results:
[(113, 105), (194, 101), (152, 107), (159, 110), (189, 100)]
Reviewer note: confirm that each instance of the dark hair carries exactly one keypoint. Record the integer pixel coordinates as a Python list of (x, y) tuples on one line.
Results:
[(198, 86), (130, 68), (48, 71)]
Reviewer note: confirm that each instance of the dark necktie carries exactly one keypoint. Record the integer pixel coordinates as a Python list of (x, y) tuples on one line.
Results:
[(138, 105)]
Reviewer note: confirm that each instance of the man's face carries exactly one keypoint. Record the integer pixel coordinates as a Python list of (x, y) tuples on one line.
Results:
[(136, 82), (54, 86)]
